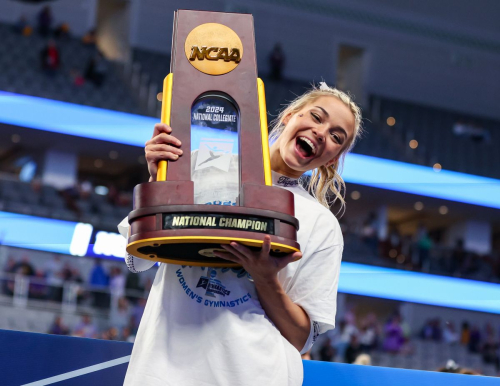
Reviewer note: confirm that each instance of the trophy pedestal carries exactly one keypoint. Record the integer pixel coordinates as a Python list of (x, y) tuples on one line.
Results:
[(186, 234)]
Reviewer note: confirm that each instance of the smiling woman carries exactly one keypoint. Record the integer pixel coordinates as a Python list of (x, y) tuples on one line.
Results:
[(258, 318), (315, 132)]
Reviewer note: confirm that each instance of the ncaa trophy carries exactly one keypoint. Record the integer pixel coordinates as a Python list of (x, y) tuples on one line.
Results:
[(215, 104)]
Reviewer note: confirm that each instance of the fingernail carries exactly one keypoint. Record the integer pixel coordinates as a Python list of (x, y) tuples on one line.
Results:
[(176, 156), (181, 152)]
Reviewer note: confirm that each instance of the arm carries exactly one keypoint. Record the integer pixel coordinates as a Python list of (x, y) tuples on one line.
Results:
[(289, 318)]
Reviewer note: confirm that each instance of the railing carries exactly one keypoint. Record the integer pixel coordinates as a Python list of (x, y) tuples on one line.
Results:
[(68, 296)]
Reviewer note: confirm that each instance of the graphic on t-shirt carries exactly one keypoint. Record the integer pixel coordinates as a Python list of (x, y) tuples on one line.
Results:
[(215, 153), (210, 292), (212, 285)]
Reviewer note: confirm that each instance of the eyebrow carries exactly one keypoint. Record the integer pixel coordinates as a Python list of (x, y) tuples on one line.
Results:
[(328, 115)]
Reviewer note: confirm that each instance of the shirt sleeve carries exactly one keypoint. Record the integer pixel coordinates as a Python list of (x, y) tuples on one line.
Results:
[(134, 264), (315, 284)]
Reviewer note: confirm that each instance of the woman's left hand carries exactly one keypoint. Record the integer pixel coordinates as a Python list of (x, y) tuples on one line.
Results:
[(261, 266)]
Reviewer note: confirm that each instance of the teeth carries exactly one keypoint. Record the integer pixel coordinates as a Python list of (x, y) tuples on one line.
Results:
[(308, 141)]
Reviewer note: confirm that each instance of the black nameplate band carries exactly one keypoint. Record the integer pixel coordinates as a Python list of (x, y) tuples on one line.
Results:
[(218, 221)]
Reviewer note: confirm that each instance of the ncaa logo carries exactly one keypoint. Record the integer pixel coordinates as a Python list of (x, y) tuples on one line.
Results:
[(213, 49)]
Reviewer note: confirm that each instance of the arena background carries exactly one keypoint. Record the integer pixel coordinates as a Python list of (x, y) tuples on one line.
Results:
[(420, 278)]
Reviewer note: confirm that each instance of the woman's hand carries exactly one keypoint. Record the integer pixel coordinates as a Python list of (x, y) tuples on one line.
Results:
[(162, 146), (260, 265), (289, 318)]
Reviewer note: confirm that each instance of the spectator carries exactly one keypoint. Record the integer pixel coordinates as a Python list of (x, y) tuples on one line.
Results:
[(120, 315), (45, 21), (90, 38), (117, 282), (277, 62), (58, 328), (450, 335), (77, 78), (133, 287), (98, 276), (347, 329), (394, 338), (363, 359), (465, 334), (54, 272), (62, 31), (96, 69), (99, 280), (8, 284), (367, 337), (24, 267), (111, 334), (326, 351), (86, 328), (437, 331), (38, 287), (67, 272), (22, 26), (452, 367), (424, 245), (353, 350), (127, 335), (50, 58), (474, 340), (489, 351)]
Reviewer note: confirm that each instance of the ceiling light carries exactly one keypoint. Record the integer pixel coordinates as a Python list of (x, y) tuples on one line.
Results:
[(355, 195), (443, 209), (391, 121)]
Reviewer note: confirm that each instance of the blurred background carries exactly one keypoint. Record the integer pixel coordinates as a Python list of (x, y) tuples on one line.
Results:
[(79, 84)]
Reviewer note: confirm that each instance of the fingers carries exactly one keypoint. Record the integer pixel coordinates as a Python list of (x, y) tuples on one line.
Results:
[(161, 128), (237, 249), (160, 148), (266, 246), (164, 152), (227, 256), (164, 138), (290, 258)]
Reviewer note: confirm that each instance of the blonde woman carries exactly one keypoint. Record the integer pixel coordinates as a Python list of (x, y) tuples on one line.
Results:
[(265, 315)]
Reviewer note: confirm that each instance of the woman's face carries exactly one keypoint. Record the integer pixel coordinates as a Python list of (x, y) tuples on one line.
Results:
[(314, 136)]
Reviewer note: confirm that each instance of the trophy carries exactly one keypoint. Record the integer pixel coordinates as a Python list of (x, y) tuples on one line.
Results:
[(216, 106)]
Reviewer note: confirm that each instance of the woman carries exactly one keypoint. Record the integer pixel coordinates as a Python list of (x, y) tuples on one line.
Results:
[(253, 329)]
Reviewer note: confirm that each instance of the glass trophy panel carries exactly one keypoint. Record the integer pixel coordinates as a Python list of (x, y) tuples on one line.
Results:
[(215, 123)]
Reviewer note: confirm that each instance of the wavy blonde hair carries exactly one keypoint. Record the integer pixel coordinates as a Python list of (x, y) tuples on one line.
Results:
[(324, 179)]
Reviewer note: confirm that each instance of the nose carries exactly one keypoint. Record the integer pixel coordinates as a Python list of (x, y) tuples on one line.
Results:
[(319, 134)]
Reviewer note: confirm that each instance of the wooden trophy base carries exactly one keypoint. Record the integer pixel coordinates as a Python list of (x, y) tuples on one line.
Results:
[(186, 234)]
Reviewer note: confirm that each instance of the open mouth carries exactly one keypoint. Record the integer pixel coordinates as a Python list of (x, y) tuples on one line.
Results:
[(305, 147)]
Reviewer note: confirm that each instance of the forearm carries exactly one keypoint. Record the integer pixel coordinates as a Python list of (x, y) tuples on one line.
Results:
[(289, 318)]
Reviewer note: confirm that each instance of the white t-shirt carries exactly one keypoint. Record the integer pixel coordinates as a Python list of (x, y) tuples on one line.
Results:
[(205, 326)]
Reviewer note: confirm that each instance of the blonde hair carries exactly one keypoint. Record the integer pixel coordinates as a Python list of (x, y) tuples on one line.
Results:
[(324, 179)]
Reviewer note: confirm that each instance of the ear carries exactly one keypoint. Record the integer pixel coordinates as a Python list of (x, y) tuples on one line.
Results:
[(287, 118), (331, 162)]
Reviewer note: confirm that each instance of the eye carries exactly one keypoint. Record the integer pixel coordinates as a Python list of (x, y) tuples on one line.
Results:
[(336, 138), (316, 117)]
